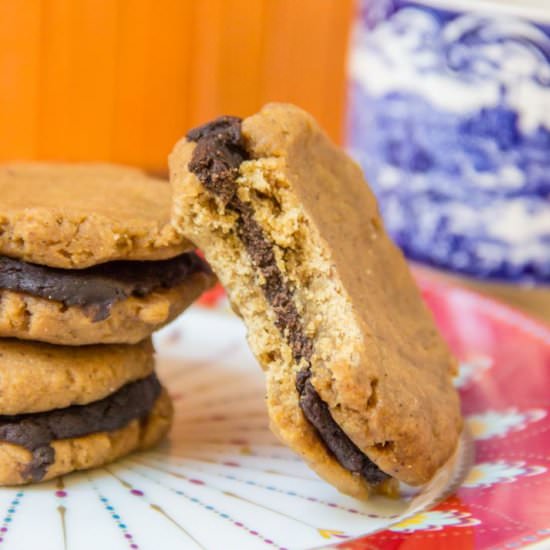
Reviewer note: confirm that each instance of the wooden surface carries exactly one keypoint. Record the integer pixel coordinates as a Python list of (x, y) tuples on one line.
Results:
[(534, 301), (122, 80)]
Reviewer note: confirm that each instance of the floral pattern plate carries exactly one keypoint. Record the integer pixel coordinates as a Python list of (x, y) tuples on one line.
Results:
[(223, 481)]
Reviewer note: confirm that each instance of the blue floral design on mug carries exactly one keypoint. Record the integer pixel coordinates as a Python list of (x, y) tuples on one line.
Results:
[(450, 119)]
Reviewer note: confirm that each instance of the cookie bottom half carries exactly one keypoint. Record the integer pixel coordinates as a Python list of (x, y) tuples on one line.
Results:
[(31, 451), (130, 321), (114, 303)]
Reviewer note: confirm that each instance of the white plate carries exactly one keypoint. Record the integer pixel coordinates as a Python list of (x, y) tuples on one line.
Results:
[(222, 481)]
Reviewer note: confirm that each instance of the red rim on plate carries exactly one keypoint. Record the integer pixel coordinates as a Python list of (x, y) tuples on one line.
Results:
[(504, 502)]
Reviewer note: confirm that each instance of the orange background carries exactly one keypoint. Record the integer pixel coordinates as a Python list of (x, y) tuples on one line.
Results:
[(122, 80)]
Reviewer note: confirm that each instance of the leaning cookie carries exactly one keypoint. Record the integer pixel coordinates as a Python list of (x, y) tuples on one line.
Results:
[(78, 215), (115, 302), (41, 446), (359, 382)]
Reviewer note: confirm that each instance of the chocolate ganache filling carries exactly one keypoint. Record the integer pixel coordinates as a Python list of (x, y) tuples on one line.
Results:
[(218, 153), (97, 288), (36, 431)]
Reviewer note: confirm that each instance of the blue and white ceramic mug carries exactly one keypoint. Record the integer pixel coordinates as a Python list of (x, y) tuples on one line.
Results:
[(449, 116)]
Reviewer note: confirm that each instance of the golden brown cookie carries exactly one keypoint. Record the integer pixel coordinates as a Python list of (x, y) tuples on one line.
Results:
[(359, 382), (129, 318), (39, 377), (89, 451), (74, 216)]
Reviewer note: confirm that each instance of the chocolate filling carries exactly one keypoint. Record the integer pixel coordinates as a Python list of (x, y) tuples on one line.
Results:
[(218, 153), (97, 288), (343, 448), (36, 431)]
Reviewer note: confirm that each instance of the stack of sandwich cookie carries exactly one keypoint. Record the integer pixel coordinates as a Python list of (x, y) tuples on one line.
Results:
[(90, 266)]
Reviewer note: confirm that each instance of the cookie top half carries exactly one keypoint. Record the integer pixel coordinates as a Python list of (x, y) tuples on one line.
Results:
[(37, 377), (378, 361), (76, 216)]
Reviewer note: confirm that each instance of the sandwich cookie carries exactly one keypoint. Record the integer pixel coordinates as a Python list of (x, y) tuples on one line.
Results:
[(90, 256), (359, 382)]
